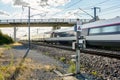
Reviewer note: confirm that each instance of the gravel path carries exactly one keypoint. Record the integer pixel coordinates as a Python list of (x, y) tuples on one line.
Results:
[(37, 59)]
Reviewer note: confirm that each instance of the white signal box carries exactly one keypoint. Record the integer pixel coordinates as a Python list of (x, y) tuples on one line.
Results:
[(81, 41)]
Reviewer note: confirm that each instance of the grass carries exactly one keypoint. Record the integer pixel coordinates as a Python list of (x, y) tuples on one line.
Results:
[(46, 53), (1, 76), (7, 46), (62, 59), (72, 67), (6, 70), (29, 66), (1, 51)]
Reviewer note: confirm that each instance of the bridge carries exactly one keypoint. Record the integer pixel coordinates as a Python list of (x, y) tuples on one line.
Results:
[(55, 23), (39, 22)]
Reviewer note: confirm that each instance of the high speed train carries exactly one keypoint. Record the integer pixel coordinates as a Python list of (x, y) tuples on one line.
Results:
[(99, 33)]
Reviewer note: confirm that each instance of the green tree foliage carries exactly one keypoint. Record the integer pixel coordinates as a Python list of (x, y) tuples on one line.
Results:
[(5, 39)]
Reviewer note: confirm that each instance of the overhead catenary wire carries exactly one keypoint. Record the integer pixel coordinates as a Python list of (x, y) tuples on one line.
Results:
[(67, 8), (86, 13), (108, 11), (99, 3), (112, 7), (102, 2)]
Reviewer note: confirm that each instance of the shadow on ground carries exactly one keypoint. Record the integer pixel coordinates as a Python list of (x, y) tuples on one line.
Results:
[(17, 71)]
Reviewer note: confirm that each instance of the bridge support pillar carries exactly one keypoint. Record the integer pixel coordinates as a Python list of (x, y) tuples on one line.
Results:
[(56, 27), (15, 30)]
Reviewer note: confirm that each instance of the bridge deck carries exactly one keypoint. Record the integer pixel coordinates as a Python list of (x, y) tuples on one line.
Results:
[(39, 22)]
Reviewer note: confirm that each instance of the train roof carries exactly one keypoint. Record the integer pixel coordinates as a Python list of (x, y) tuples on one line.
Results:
[(90, 25), (102, 23)]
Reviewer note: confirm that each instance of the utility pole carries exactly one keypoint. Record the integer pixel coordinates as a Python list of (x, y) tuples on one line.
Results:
[(78, 34), (15, 34), (29, 27), (95, 12)]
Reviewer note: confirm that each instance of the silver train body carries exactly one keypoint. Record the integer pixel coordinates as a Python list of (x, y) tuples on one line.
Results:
[(99, 33)]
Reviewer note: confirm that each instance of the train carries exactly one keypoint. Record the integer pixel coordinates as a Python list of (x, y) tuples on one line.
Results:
[(99, 33)]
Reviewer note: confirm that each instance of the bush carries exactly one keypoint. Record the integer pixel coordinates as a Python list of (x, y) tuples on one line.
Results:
[(5, 39)]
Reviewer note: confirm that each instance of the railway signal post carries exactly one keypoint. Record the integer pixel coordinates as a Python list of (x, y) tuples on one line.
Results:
[(78, 45)]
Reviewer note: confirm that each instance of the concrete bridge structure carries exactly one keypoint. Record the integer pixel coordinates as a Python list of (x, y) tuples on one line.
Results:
[(39, 22), (55, 23)]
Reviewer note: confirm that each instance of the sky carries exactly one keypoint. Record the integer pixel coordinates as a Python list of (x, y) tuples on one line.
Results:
[(46, 9)]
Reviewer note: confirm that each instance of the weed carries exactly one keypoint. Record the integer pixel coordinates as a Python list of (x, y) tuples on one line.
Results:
[(62, 59), (6, 70), (1, 77), (7, 46), (1, 54), (12, 59), (72, 67), (94, 73), (46, 53)]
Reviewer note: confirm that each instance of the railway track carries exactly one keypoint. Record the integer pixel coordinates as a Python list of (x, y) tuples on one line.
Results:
[(95, 51)]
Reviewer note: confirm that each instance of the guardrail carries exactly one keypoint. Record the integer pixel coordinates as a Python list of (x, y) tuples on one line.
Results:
[(41, 20)]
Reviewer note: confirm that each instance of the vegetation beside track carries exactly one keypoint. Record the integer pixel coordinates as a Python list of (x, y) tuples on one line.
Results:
[(5, 39)]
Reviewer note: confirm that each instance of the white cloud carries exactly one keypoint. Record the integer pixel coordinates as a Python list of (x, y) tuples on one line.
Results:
[(44, 9), (7, 1), (58, 2), (73, 14), (42, 3), (4, 13)]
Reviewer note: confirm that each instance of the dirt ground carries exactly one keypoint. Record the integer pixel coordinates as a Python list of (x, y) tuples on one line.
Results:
[(35, 66)]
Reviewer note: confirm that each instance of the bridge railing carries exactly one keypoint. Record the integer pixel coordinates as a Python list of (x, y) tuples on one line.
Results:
[(41, 20)]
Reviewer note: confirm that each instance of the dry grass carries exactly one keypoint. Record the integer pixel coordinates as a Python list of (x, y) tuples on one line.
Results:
[(7, 67), (1, 52), (28, 66), (16, 44)]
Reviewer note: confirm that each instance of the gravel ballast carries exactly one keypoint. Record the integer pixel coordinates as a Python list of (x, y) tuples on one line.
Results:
[(101, 68)]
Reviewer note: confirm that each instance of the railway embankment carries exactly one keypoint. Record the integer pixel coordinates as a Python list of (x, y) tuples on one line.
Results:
[(99, 67)]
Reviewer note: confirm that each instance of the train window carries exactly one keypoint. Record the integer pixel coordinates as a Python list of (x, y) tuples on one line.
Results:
[(95, 31), (118, 28), (109, 29), (105, 30)]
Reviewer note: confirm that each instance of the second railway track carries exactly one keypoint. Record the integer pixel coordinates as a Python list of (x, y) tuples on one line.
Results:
[(95, 51)]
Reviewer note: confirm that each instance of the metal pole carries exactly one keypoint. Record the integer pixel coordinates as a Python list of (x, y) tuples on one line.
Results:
[(78, 33), (15, 34), (95, 13), (29, 27)]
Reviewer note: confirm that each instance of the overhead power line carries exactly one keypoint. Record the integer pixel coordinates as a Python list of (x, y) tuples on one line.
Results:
[(109, 11), (112, 7), (86, 12), (97, 4), (67, 7)]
